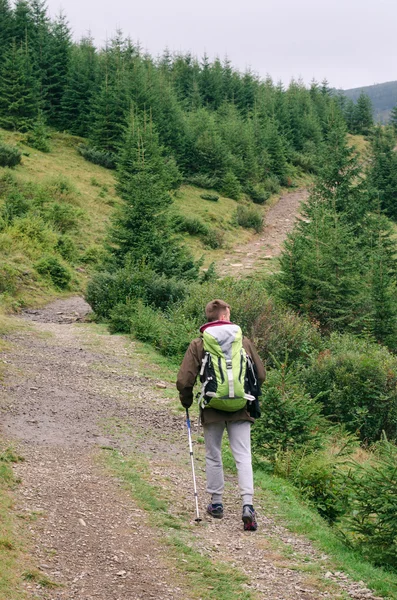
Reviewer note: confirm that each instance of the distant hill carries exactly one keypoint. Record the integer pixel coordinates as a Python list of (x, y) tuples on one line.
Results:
[(383, 97)]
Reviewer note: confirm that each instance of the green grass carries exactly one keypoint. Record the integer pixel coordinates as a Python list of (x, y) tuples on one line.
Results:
[(205, 579), (282, 501), (10, 547)]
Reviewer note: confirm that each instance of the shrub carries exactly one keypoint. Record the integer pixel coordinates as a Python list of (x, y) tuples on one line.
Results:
[(98, 157), (105, 290), (359, 384), (51, 267), (62, 217), (120, 317), (191, 225), (231, 186), (210, 197), (147, 324), (10, 156), (204, 181), (249, 217), (319, 477), (9, 276), (258, 193), (35, 232), (38, 137), (290, 417), (66, 248), (214, 238), (272, 184), (162, 291), (15, 205), (94, 254), (371, 524), (279, 333)]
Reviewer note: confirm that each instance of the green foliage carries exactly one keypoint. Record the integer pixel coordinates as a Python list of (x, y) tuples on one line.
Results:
[(290, 419), (358, 385), (281, 333), (371, 524), (66, 247), (258, 193), (382, 171), (211, 197), (51, 267), (10, 156), (231, 186), (249, 217), (319, 476), (98, 157), (190, 225), (214, 238), (203, 181), (38, 136)]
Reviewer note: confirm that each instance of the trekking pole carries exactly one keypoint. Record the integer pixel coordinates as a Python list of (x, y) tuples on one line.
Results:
[(197, 519)]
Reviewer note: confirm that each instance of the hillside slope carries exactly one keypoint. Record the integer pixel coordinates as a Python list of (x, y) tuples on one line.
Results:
[(383, 97)]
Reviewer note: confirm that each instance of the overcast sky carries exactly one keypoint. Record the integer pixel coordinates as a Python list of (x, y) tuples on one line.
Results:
[(351, 43)]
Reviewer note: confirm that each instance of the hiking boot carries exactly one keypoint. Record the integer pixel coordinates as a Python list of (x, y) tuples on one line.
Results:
[(249, 518), (215, 510)]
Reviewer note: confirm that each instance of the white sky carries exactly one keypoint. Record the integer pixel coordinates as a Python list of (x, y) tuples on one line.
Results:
[(351, 43)]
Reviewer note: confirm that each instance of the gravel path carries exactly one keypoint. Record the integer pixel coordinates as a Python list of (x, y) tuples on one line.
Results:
[(72, 389), (279, 221)]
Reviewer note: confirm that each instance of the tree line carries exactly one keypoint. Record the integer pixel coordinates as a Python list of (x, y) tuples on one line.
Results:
[(227, 130)]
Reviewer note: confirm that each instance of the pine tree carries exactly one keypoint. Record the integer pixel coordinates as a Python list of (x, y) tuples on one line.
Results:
[(393, 118), (382, 171), (18, 90), (81, 86), (363, 115), (109, 111), (57, 60), (6, 28), (141, 232)]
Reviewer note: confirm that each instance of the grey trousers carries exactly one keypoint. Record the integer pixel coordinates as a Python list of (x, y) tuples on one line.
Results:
[(239, 434)]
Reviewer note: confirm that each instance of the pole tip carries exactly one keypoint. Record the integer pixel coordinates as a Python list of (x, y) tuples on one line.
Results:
[(198, 520)]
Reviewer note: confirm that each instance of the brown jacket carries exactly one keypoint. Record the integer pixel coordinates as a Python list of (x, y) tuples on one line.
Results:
[(189, 370)]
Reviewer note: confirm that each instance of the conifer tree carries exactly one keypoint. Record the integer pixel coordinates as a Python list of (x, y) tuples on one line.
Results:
[(18, 90), (81, 86), (363, 118), (57, 59), (382, 171), (393, 118), (109, 111), (6, 28), (141, 232)]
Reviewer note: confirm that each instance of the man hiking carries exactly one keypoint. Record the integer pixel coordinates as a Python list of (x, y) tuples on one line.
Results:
[(224, 359)]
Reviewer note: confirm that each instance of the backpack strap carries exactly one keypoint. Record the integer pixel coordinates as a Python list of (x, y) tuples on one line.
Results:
[(229, 371)]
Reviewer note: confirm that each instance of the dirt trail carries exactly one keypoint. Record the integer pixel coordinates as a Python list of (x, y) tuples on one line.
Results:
[(279, 221), (71, 389)]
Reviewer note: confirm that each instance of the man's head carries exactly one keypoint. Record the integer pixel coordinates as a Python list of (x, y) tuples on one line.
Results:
[(217, 310)]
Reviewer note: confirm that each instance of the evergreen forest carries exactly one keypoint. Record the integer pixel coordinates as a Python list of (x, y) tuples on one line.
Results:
[(324, 319)]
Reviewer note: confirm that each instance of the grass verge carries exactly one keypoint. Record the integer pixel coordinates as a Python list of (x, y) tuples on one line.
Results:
[(282, 502), (204, 578), (10, 568)]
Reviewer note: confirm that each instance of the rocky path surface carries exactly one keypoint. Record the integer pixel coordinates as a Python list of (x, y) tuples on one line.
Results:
[(73, 390), (279, 221)]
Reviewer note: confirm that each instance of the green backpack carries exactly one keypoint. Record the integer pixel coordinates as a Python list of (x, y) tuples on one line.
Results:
[(223, 372)]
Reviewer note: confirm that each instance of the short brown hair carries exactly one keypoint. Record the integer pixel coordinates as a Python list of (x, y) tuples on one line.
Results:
[(215, 309)]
